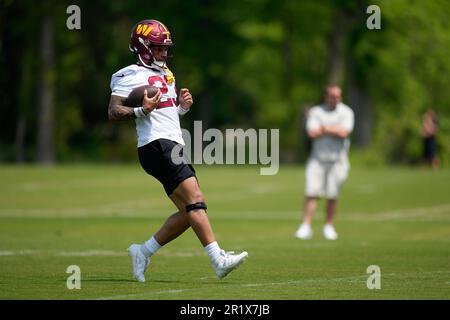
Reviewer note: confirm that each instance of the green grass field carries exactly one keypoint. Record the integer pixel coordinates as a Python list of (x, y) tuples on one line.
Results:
[(87, 215)]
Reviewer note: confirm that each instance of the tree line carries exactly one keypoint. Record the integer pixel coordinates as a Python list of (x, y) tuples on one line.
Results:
[(249, 64)]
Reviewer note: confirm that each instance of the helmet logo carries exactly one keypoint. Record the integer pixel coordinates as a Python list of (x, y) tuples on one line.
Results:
[(144, 29)]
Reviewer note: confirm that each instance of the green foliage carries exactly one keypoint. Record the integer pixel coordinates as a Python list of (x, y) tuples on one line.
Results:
[(247, 63), (404, 65)]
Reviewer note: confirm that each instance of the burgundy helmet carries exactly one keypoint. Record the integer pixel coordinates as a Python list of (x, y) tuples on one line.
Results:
[(145, 34)]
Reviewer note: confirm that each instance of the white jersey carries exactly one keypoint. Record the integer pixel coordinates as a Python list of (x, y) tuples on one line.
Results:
[(330, 148), (162, 122)]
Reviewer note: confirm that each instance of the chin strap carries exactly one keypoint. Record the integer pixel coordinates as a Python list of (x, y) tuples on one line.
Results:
[(152, 65), (163, 66), (142, 62)]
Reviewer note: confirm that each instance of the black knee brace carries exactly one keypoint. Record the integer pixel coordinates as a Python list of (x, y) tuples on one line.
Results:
[(195, 206)]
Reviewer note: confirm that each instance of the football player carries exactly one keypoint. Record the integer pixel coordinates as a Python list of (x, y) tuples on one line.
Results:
[(158, 133)]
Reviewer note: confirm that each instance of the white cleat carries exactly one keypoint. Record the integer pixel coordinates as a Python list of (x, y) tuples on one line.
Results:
[(139, 262), (227, 262), (304, 232), (329, 232)]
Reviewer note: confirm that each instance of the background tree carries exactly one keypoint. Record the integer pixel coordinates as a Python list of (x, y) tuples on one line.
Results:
[(254, 63)]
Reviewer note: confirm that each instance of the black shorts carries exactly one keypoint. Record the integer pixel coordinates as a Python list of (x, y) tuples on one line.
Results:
[(155, 158), (429, 147)]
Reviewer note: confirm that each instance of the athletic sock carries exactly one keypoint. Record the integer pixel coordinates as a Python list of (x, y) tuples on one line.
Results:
[(150, 247), (213, 250)]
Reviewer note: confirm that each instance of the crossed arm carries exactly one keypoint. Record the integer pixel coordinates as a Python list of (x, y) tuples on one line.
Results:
[(335, 130)]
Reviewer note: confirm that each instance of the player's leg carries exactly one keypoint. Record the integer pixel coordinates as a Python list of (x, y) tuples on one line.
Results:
[(181, 186), (331, 211), (336, 176), (153, 159), (310, 208), (329, 232), (304, 231), (314, 180), (188, 193), (189, 200), (173, 227)]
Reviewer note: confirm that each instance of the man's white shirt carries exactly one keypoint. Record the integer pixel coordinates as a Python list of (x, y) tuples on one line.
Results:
[(162, 122), (330, 148)]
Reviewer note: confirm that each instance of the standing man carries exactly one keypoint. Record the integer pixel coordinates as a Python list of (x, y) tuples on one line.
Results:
[(430, 125), (329, 126), (158, 133)]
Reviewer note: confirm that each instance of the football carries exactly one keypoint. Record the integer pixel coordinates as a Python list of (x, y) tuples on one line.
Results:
[(135, 97)]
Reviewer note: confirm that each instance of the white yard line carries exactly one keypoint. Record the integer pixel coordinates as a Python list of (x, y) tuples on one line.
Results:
[(429, 213), (90, 253), (62, 253), (361, 278), (19, 252), (94, 253), (432, 213)]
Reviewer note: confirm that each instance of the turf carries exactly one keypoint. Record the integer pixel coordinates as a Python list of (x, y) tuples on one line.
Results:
[(87, 215)]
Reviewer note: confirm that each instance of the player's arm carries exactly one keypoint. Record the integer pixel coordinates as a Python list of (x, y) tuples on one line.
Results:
[(336, 130), (344, 128), (314, 126), (315, 133), (185, 99), (117, 111)]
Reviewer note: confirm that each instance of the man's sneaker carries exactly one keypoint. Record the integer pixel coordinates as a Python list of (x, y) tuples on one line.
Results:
[(304, 232), (139, 262), (329, 233), (227, 262)]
